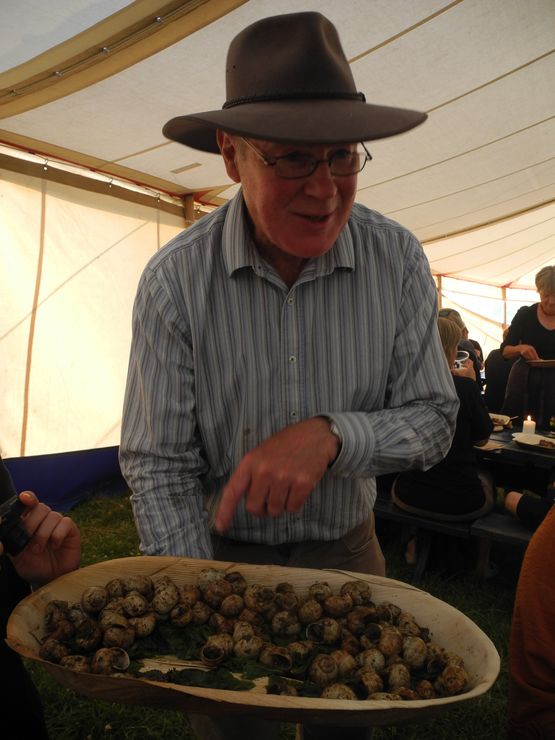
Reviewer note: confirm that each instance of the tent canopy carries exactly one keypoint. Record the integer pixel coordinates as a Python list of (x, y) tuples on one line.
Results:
[(94, 83)]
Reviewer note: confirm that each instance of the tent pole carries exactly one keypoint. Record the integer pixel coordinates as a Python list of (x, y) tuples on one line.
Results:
[(504, 296)]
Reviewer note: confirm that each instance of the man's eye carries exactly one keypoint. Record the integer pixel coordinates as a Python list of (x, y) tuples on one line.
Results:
[(297, 159), (343, 154)]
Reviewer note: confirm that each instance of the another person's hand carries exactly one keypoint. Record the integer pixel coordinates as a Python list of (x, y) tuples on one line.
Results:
[(281, 473), (55, 544)]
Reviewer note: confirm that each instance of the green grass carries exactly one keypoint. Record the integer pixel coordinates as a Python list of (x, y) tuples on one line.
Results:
[(108, 532)]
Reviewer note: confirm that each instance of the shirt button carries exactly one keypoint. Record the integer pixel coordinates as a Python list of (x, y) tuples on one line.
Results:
[(293, 414), (292, 358), (290, 301)]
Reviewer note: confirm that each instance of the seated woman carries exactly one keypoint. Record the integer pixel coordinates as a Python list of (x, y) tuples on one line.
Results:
[(531, 337), (454, 489)]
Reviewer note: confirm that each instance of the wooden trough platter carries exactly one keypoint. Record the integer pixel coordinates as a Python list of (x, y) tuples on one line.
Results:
[(449, 628)]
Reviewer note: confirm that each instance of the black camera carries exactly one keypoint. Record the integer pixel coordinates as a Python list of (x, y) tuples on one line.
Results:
[(12, 534)]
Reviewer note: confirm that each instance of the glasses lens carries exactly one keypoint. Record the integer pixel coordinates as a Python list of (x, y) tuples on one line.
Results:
[(346, 163), (295, 165)]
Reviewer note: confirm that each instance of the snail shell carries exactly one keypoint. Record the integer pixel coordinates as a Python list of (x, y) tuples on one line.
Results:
[(63, 631), (189, 594), (53, 650), (300, 651), (338, 691), (310, 611), (181, 615), (143, 625), (337, 606), (371, 658), (425, 689), (326, 630), (135, 604), (121, 637), (369, 680), (221, 623), (248, 647), (201, 612), (398, 676), (285, 623), (238, 582), (323, 670), (407, 624), (391, 641), (77, 663), (216, 649), (116, 588), (88, 636), (77, 615), (55, 612), (359, 591), (165, 598), (259, 598), (359, 619), (384, 696), (94, 599), (254, 618), (273, 656), (453, 680), (387, 612), (215, 592), (414, 651), (319, 590), (287, 601), (232, 605), (242, 631), (209, 575), (108, 618), (346, 664), (351, 644), (109, 660), (141, 583)]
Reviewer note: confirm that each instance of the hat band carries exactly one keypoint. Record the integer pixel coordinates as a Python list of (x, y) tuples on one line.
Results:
[(293, 96)]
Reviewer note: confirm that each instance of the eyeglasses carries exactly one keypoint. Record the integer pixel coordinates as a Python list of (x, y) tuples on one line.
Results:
[(342, 163)]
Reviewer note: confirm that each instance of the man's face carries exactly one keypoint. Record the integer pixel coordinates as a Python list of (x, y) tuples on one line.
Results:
[(301, 218)]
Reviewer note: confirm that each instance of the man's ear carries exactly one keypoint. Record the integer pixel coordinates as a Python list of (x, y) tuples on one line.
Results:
[(228, 150)]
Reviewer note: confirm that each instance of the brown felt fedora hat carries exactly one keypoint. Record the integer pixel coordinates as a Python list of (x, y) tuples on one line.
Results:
[(287, 79)]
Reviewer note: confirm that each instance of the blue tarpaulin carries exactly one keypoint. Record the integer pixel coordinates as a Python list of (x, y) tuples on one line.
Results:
[(63, 479)]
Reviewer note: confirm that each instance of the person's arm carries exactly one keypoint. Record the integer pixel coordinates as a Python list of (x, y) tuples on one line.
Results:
[(160, 452), (413, 431), (513, 346)]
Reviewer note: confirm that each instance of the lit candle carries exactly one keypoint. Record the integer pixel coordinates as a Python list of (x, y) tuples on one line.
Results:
[(529, 426)]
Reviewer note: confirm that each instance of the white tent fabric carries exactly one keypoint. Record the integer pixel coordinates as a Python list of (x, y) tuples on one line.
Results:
[(91, 83)]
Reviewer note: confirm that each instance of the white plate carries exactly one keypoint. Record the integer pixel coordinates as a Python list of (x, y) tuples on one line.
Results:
[(500, 420), (533, 441)]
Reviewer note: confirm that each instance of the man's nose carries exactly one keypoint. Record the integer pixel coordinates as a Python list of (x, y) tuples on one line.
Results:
[(321, 181)]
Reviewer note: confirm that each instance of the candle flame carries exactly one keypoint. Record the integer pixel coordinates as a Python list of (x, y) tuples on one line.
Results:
[(529, 418)]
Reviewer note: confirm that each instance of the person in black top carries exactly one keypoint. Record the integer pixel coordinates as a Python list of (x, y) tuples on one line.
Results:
[(454, 489), (54, 548), (531, 337)]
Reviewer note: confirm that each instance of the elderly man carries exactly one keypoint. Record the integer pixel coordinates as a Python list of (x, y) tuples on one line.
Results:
[(285, 349)]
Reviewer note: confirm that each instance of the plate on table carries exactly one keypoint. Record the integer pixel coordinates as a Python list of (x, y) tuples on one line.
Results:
[(541, 363), (535, 441), (448, 628)]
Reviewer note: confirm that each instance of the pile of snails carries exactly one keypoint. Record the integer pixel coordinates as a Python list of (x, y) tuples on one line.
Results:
[(352, 647)]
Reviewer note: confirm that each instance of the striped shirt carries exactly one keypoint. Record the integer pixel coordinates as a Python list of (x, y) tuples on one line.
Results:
[(224, 355)]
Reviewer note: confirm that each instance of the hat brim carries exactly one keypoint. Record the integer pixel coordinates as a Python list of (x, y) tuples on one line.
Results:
[(296, 122)]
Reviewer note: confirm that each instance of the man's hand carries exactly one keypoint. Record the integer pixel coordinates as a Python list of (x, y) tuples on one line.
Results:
[(55, 544), (528, 352), (281, 473)]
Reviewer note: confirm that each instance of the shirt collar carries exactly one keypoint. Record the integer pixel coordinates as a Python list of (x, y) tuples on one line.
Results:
[(239, 250)]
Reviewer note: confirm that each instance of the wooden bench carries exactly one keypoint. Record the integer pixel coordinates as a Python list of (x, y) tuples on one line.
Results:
[(493, 527)]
